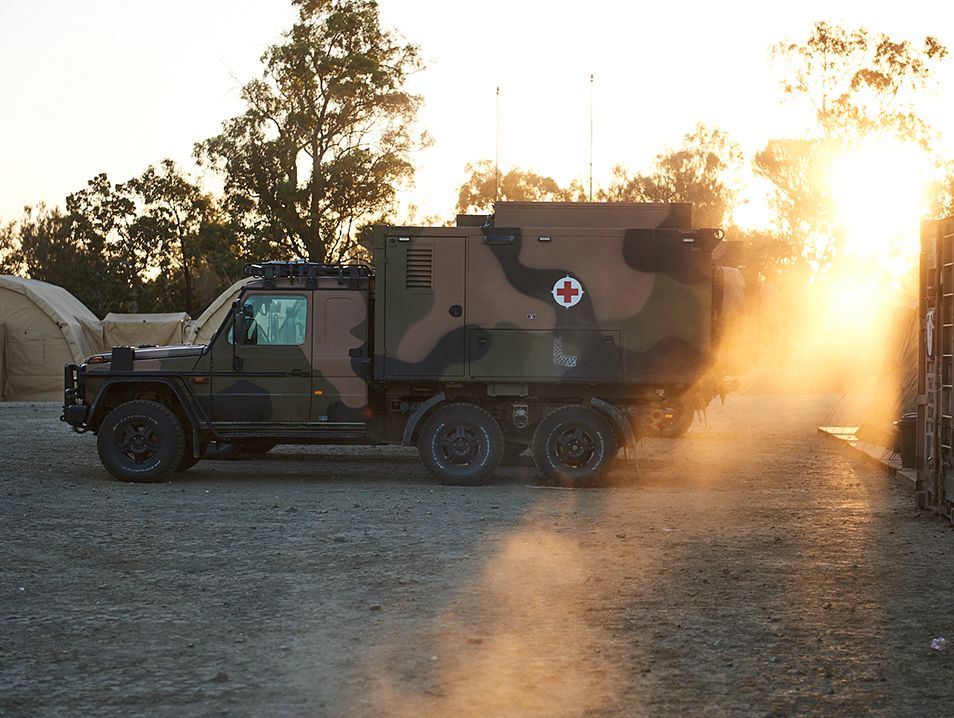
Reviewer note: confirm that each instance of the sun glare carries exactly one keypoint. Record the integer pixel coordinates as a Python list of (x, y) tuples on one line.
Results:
[(880, 194)]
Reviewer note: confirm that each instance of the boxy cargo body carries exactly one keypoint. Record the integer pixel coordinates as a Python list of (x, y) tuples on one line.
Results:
[(567, 329), (567, 295)]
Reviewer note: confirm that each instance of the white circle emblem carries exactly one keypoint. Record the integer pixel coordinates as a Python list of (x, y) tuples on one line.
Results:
[(567, 292)]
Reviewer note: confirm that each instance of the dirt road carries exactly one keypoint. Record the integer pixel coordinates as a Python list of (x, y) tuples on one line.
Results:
[(752, 568)]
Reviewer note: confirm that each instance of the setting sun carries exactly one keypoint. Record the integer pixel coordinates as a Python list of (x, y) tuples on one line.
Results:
[(880, 191)]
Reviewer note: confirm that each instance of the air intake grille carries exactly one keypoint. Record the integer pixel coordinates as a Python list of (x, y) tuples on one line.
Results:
[(420, 268)]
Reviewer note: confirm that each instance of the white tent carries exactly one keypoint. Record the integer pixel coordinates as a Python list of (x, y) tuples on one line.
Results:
[(200, 330), (3, 369), (135, 330), (45, 328)]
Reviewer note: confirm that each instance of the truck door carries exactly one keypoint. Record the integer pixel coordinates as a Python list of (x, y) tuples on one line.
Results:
[(268, 378), (340, 329), (424, 310)]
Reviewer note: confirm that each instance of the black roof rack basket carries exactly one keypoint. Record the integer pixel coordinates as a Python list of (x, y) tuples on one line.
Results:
[(307, 273)]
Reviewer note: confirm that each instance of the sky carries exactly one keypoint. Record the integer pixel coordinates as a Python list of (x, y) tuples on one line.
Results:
[(114, 86)]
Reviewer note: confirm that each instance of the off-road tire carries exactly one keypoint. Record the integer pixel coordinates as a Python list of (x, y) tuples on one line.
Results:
[(461, 444), (141, 441), (682, 418), (574, 446)]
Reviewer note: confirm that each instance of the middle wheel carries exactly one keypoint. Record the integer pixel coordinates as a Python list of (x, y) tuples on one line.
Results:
[(461, 444), (573, 446)]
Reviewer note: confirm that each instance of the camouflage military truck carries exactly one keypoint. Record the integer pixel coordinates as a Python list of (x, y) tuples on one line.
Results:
[(568, 329)]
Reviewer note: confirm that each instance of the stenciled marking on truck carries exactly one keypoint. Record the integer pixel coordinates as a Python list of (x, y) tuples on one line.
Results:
[(567, 292)]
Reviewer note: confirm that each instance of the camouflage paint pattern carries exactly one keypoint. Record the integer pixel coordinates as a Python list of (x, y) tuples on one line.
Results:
[(470, 304), (477, 304), (315, 381)]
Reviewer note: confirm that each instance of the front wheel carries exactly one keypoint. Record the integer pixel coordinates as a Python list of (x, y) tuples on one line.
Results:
[(573, 446), (461, 444), (141, 441)]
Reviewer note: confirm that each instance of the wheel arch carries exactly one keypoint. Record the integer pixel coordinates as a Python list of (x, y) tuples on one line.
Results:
[(416, 420), (168, 392), (622, 426)]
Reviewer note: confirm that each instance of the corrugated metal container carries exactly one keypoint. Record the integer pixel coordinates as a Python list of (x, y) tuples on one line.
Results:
[(935, 447)]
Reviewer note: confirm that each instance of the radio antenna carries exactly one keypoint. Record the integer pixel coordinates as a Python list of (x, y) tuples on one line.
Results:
[(497, 152), (591, 137)]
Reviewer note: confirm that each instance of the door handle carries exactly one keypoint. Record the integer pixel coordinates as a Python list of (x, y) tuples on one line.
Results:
[(299, 372)]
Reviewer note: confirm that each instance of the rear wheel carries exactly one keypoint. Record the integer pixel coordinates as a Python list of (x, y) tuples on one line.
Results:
[(574, 446), (676, 419), (461, 444), (141, 441)]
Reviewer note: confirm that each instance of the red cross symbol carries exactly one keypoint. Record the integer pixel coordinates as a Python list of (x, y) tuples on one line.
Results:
[(567, 291)]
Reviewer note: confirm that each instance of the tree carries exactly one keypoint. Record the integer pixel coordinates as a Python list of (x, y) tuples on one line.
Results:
[(9, 249), (154, 243), (857, 82), (802, 201), (697, 172), (861, 87), (483, 187), (102, 221), (39, 245), (327, 136), (943, 201), (181, 223)]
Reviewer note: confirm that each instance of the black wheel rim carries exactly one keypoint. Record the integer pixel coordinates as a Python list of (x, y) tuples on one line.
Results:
[(574, 446), (459, 444), (137, 440)]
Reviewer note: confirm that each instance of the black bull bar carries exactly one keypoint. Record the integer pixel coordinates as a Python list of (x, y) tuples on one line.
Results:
[(74, 410)]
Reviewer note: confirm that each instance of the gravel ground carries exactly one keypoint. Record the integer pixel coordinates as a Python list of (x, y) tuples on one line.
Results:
[(752, 568)]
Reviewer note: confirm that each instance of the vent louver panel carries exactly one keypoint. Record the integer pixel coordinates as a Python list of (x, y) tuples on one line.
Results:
[(420, 268)]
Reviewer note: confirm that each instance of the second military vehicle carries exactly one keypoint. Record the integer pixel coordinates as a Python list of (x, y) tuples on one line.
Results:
[(565, 328)]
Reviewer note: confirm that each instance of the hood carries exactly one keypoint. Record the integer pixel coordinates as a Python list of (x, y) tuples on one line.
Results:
[(165, 352)]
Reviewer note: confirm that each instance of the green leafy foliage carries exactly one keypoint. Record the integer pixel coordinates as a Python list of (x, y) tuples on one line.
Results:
[(154, 243), (40, 245), (699, 172), (858, 82), (327, 136), (483, 186)]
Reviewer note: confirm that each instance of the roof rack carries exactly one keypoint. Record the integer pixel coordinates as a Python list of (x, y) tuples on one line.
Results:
[(308, 272)]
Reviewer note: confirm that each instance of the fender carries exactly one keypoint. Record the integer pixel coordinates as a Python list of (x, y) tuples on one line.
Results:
[(623, 426), (415, 418), (184, 396)]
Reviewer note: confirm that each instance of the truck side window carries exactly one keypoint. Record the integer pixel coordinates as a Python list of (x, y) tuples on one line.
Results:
[(275, 320)]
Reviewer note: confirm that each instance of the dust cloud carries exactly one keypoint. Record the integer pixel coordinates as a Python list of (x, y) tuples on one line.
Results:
[(830, 334), (517, 641)]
